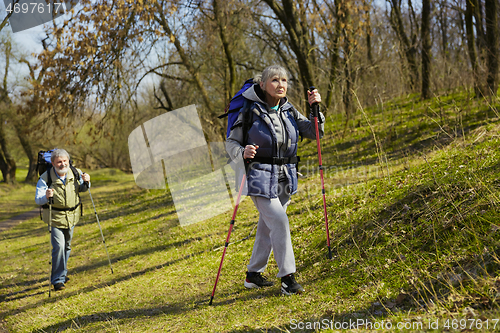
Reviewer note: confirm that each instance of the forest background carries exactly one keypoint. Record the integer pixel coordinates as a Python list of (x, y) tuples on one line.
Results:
[(107, 66)]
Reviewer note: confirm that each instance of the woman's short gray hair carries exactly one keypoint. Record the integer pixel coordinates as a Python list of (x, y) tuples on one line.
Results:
[(58, 153), (270, 72)]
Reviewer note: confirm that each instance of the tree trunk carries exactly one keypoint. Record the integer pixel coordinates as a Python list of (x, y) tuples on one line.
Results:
[(298, 36), (347, 91), (32, 175), (471, 45), (491, 8), (443, 24), (333, 38), (349, 79), (368, 8), (426, 48), (481, 45), (478, 15), (409, 47), (7, 163), (28, 150), (334, 63), (231, 64)]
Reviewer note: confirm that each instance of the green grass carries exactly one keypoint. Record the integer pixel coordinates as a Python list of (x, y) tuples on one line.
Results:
[(413, 208), (16, 198)]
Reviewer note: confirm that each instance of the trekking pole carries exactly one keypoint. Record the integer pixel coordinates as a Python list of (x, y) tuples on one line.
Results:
[(51, 201), (228, 236), (315, 110), (99, 224)]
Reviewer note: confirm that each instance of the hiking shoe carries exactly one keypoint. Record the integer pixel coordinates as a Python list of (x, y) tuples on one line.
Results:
[(289, 286), (257, 280), (66, 279), (59, 286)]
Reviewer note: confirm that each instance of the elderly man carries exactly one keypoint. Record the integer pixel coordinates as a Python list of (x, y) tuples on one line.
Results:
[(63, 183)]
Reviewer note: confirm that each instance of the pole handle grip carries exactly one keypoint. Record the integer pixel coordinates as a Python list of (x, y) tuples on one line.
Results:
[(51, 200), (86, 183), (314, 106)]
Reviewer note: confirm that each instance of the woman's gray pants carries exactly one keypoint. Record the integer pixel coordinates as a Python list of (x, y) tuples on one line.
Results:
[(273, 233)]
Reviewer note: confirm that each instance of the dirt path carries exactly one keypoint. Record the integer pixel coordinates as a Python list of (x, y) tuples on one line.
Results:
[(7, 224)]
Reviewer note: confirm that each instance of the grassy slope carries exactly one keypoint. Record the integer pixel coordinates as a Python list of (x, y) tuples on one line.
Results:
[(412, 194)]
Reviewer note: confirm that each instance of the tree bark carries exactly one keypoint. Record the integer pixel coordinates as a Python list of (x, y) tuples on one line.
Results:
[(368, 8), (426, 48), (409, 47), (471, 45), (231, 64), (479, 19), (443, 23), (7, 163), (333, 37), (28, 150), (349, 78), (491, 7)]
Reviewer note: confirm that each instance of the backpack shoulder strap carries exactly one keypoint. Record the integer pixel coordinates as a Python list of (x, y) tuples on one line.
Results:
[(291, 110), (247, 117), (76, 177), (295, 114)]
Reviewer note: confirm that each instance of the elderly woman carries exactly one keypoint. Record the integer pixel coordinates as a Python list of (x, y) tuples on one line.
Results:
[(270, 150)]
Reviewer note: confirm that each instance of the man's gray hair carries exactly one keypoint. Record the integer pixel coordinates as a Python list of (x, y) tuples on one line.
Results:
[(270, 72), (58, 153)]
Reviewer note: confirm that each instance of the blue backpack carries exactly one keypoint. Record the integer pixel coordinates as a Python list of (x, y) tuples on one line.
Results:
[(43, 163), (237, 105)]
